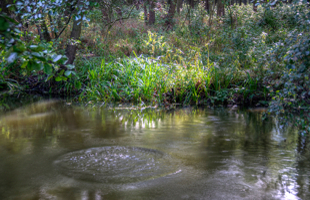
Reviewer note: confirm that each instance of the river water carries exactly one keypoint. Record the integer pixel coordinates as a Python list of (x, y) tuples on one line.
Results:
[(53, 151)]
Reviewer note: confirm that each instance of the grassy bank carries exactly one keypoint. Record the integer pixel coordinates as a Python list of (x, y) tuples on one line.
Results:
[(236, 59), (148, 80), (244, 58)]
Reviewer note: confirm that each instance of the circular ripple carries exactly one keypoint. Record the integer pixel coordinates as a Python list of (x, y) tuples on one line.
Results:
[(115, 164)]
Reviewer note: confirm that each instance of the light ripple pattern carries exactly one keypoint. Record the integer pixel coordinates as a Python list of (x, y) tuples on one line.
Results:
[(116, 164)]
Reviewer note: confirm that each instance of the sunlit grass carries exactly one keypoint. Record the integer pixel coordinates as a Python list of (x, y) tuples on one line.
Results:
[(145, 80)]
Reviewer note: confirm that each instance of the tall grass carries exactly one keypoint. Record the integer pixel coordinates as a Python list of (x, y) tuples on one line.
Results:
[(143, 79), (203, 60)]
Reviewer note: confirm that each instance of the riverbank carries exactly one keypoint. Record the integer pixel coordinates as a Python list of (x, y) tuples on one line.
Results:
[(244, 58)]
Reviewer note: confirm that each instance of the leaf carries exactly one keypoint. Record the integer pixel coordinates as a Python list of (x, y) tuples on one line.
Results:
[(4, 25), (32, 47), (34, 66), (273, 3), (38, 56), (70, 66), (24, 65), (12, 57), (56, 58), (48, 69), (19, 3), (51, 76), (68, 73), (58, 78), (78, 85), (20, 47)]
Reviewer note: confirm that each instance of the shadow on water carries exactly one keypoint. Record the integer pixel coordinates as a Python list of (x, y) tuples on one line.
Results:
[(52, 151)]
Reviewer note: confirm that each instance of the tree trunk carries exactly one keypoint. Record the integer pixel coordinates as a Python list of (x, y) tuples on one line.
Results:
[(207, 6), (119, 14), (254, 7), (3, 6), (75, 35), (51, 23), (137, 4), (192, 3), (46, 34), (179, 5), (152, 13), (171, 12), (220, 8), (105, 14), (40, 32), (145, 11)]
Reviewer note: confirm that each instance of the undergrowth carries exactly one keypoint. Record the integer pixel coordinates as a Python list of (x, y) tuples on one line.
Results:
[(243, 58)]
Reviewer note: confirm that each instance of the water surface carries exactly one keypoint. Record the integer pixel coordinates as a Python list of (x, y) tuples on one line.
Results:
[(53, 151)]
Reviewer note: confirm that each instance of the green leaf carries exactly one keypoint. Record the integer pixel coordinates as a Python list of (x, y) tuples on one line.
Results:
[(12, 57), (51, 76), (4, 25), (34, 66), (70, 66), (68, 73), (38, 56), (35, 48), (48, 69), (61, 72), (56, 58), (58, 78), (78, 85), (24, 65), (20, 47)]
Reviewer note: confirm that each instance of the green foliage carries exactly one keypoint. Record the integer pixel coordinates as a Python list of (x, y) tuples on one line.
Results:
[(30, 58), (243, 57), (36, 12)]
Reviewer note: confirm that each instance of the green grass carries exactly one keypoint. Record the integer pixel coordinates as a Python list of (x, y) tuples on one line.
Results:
[(147, 80)]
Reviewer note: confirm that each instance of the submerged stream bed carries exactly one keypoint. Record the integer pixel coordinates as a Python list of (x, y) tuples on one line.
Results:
[(52, 151)]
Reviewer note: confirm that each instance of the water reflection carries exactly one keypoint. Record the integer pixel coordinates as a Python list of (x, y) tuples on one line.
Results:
[(216, 154)]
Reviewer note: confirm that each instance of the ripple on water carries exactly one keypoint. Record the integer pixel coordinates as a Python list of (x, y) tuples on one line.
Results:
[(116, 164)]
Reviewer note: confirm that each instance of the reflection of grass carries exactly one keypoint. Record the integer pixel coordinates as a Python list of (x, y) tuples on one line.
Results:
[(151, 118)]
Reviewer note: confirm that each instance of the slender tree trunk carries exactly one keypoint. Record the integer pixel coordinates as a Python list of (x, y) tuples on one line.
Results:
[(53, 29), (171, 12), (105, 13), (207, 5), (179, 5), (4, 4), (254, 7), (46, 34), (145, 11), (220, 8), (192, 3), (40, 32), (152, 13), (137, 4), (119, 14), (75, 35)]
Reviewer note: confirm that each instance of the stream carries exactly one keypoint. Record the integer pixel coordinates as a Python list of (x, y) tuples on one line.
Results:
[(49, 150)]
